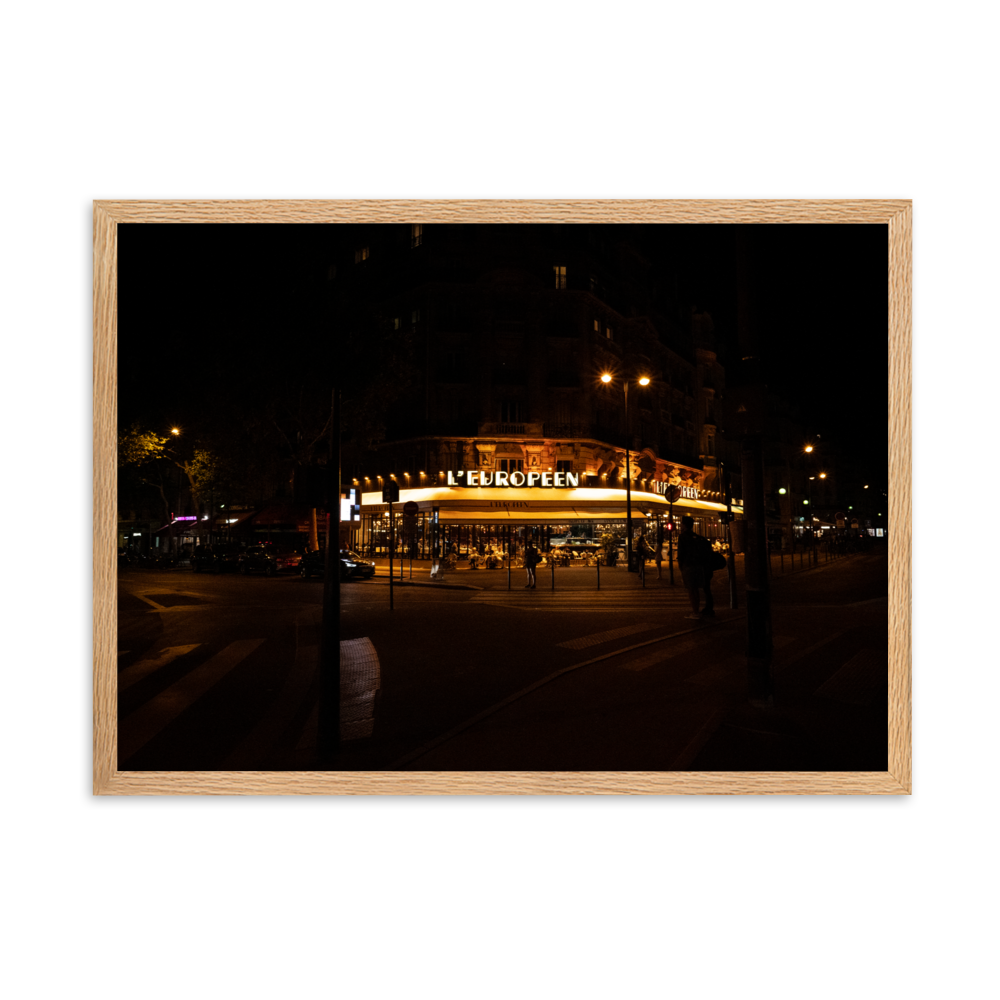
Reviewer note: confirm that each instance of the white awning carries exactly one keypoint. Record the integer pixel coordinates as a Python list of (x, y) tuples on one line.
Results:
[(535, 505)]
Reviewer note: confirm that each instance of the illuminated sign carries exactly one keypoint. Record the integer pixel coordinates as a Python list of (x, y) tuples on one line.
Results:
[(350, 505), (185, 518), (687, 492), (547, 480)]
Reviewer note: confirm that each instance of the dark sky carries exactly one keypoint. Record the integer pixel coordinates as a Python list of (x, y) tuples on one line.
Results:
[(818, 316), (201, 305)]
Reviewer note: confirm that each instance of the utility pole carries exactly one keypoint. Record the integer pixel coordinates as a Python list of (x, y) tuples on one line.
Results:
[(734, 600), (749, 421), (329, 650)]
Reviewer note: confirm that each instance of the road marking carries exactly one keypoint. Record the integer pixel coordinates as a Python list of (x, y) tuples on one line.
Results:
[(135, 673), (597, 638), (158, 607), (137, 729), (660, 656), (613, 603)]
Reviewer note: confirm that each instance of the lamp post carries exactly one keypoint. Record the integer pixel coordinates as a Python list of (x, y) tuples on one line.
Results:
[(642, 380)]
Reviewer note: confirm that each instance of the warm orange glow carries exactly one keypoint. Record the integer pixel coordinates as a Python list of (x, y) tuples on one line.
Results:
[(644, 380), (605, 378), (822, 475), (175, 430), (809, 447)]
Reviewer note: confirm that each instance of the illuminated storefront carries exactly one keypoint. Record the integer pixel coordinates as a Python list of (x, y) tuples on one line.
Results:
[(466, 519)]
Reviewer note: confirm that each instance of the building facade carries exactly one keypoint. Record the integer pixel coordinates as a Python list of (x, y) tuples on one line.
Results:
[(509, 330)]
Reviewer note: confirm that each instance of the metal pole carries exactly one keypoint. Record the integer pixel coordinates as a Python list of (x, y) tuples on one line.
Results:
[(734, 601), (670, 543), (329, 656), (509, 560), (757, 577), (392, 545), (628, 491)]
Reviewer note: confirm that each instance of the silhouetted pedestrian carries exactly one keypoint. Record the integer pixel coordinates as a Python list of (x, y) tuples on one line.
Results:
[(694, 556), (531, 560)]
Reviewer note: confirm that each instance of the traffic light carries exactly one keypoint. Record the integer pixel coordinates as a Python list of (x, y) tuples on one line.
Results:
[(668, 525)]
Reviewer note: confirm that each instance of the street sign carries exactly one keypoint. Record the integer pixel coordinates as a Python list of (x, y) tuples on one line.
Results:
[(410, 508), (390, 492)]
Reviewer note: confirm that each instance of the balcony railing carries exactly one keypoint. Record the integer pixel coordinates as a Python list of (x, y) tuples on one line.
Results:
[(502, 428)]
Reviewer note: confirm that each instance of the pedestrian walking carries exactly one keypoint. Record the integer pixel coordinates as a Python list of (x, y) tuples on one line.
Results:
[(642, 553), (658, 552), (531, 560), (437, 572), (694, 556)]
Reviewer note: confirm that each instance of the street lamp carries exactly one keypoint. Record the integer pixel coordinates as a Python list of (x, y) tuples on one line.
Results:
[(642, 380), (812, 531)]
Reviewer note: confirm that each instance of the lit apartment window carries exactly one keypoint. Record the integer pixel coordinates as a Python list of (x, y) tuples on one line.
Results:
[(597, 326), (360, 255), (560, 276), (609, 333), (395, 323), (416, 235), (415, 316)]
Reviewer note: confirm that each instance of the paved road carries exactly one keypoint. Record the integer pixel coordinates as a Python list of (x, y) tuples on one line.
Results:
[(220, 672)]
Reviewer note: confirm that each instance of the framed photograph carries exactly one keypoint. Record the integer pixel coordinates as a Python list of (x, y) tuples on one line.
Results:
[(895, 217)]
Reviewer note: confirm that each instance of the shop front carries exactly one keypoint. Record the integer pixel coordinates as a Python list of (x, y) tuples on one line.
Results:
[(466, 519)]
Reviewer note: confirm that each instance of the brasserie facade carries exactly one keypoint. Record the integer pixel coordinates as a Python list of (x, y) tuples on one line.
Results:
[(475, 512)]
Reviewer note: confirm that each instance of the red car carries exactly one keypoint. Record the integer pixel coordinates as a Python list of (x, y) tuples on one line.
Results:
[(267, 559)]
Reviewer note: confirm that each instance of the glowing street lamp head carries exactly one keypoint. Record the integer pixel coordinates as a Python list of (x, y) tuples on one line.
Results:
[(782, 491), (809, 448), (644, 380), (175, 431), (605, 378), (822, 475)]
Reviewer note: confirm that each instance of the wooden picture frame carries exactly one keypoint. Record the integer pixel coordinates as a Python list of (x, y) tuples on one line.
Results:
[(108, 780)]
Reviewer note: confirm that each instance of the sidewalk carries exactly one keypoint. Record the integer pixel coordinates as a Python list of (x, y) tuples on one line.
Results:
[(579, 577)]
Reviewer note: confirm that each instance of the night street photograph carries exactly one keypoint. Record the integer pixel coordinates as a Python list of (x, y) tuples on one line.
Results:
[(502, 497)]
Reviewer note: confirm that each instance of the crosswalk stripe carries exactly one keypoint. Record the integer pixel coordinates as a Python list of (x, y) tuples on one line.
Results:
[(143, 668), (137, 729), (599, 637), (549, 599), (569, 602)]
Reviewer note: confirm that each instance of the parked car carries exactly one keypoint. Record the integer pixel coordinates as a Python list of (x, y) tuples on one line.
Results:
[(154, 560), (312, 564), (352, 566), (267, 559), (217, 559)]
